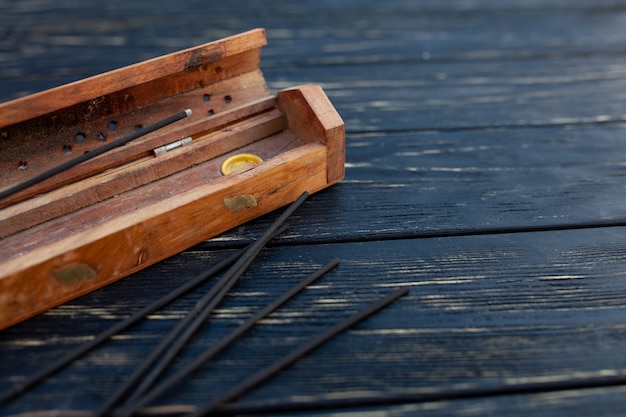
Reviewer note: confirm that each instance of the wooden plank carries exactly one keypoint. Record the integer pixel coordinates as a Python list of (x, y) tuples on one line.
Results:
[(104, 38), (457, 30), (414, 96), (483, 311), (43, 256), (601, 402), (538, 95), (437, 95), (466, 182), (40, 104)]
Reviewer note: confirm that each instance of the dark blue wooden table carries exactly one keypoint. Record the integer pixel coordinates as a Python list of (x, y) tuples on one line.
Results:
[(486, 169)]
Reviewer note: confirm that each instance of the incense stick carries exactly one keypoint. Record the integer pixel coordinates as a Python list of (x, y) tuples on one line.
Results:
[(93, 153), (119, 327), (454, 393), (171, 344), (292, 357), (225, 342)]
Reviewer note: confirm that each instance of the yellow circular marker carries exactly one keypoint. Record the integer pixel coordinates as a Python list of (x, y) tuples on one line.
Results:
[(237, 162)]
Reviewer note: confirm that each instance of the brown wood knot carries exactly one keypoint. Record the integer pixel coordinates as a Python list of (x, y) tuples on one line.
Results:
[(240, 202), (74, 274)]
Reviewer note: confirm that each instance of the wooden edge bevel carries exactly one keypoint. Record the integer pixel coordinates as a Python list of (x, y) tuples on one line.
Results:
[(197, 126), (312, 117), (48, 101)]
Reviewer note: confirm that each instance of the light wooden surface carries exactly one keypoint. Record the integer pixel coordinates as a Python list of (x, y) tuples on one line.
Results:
[(485, 168)]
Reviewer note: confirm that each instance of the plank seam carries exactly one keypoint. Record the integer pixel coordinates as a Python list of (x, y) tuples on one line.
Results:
[(211, 246)]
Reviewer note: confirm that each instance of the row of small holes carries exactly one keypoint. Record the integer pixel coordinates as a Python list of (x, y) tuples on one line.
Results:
[(80, 137), (102, 137), (207, 97)]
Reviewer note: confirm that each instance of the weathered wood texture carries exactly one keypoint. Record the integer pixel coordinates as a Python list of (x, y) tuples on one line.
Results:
[(484, 310), (51, 246), (485, 168)]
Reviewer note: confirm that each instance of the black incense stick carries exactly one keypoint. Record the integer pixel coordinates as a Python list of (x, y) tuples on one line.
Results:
[(93, 153), (172, 343), (192, 322), (454, 393), (225, 342), (120, 327), (292, 357)]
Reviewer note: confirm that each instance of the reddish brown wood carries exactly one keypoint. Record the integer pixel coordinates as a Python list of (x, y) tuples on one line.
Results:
[(209, 60), (41, 143), (148, 168), (131, 208), (313, 117)]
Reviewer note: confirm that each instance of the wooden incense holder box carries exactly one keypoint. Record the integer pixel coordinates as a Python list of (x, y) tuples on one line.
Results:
[(240, 154)]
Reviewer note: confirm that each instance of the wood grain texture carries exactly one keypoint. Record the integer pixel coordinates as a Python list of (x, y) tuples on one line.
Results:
[(313, 118), (113, 182), (467, 182), (142, 237), (54, 253), (465, 121), (37, 145), (40, 104), (483, 311)]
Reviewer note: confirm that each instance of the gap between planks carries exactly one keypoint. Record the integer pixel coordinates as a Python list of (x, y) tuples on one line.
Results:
[(227, 245)]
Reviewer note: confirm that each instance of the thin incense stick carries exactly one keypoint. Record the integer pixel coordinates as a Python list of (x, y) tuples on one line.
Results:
[(292, 357), (120, 327), (176, 339), (92, 154), (225, 342), (455, 393), (192, 322), (186, 329)]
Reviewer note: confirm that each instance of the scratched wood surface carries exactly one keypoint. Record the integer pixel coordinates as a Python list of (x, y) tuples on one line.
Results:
[(486, 169)]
